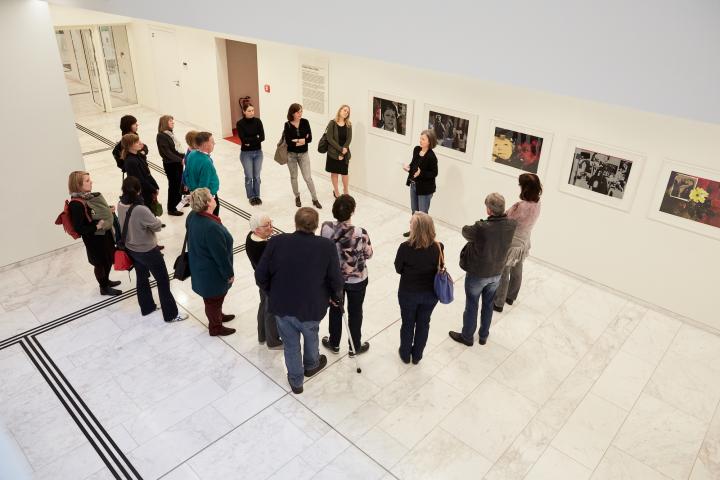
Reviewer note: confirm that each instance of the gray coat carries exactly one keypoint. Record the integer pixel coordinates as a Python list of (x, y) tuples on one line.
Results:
[(488, 243), (333, 138)]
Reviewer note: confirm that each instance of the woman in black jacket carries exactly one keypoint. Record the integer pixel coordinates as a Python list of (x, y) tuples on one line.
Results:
[(170, 150), (128, 124), (422, 171), (136, 166), (100, 248), (298, 135), (251, 133)]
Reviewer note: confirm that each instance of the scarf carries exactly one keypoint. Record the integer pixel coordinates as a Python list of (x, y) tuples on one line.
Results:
[(178, 146), (84, 195)]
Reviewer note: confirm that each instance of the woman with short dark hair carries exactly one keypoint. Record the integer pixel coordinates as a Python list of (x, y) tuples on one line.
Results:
[(251, 133), (354, 250), (525, 213), (298, 135), (128, 124), (170, 150)]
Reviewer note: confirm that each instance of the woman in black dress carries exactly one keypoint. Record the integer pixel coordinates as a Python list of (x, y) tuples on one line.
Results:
[(339, 136)]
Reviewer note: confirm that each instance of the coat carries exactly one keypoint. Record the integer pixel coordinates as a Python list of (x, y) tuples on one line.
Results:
[(488, 244), (210, 254), (333, 138)]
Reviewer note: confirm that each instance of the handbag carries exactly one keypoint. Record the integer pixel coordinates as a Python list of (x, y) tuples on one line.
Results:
[(121, 259), (281, 152), (155, 206), (323, 143), (182, 263), (443, 285)]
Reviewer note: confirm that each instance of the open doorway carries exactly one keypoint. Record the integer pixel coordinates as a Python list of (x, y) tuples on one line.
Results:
[(242, 79)]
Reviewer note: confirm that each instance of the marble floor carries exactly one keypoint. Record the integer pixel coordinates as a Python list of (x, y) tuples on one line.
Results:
[(576, 382)]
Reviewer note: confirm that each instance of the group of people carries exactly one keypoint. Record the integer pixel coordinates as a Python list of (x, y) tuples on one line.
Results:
[(299, 275)]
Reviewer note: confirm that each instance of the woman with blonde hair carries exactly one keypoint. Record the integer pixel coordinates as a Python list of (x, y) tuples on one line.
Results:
[(170, 150), (417, 261), (339, 135)]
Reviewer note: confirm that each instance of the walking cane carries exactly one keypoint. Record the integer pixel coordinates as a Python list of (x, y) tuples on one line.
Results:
[(352, 342)]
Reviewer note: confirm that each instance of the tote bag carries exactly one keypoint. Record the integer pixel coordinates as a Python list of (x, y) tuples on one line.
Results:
[(281, 152), (444, 287)]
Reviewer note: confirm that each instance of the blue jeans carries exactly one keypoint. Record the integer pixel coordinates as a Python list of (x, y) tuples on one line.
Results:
[(419, 203), (290, 329), (474, 288), (415, 310), (252, 165)]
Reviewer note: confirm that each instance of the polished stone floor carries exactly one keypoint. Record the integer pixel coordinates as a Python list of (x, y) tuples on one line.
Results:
[(576, 381)]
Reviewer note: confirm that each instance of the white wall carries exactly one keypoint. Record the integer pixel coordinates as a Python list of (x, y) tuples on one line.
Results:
[(41, 145)]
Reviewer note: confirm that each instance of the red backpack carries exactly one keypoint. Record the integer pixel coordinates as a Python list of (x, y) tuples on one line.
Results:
[(65, 220)]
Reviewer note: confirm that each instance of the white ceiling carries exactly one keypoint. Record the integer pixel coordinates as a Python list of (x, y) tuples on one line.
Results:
[(660, 56)]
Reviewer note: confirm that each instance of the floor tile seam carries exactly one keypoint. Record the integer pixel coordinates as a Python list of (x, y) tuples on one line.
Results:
[(299, 455), (705, 437)]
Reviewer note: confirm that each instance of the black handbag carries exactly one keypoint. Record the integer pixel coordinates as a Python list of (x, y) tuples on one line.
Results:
[(182, 264)]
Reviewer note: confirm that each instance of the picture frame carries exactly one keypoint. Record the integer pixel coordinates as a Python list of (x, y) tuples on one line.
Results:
[(675, 204), (385, 109), (601, 173), (524, 149), (455, 131)]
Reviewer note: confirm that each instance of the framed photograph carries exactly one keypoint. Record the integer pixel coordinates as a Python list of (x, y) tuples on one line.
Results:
[(455, 131), (601, 173), (391, 117), (688, 197), (515, 149)]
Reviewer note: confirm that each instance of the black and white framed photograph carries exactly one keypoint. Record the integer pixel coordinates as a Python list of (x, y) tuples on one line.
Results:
[(601, 173), (515, 149), (391, 116), (455, 131)]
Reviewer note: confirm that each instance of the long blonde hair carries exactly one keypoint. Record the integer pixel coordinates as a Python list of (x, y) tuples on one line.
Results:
[(422, 230), (337, 115)]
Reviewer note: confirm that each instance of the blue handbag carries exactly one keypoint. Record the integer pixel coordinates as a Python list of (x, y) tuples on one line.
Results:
[(444, 287)]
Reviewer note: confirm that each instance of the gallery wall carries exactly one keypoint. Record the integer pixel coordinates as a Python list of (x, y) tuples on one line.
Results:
[(625, 250), (41, 145)]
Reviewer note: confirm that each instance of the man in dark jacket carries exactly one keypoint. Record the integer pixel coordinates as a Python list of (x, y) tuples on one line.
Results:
[(301, 274), (483, 258)]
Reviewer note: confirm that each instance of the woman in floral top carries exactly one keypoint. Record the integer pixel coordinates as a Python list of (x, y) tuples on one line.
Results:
[(354, 249)]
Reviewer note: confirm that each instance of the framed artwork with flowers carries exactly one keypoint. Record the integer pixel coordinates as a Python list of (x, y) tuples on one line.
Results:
[(601, 173), (515, 149), (688, 197)]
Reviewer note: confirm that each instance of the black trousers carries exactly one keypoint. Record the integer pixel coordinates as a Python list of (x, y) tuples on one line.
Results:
[(148, 196), (355, 293), (174, 173), (145, 264), (267, 327), (216, 212)]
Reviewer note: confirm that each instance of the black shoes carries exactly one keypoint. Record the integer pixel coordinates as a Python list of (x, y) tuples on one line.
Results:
[(113, 283), (279, 346), (228, 318), (362, 349), (321, 365), (335, 195), (404, 359), (297, 202), (110, 291), (257, 201), (457, 336), (326, 344), (176, 213), (297, 390), (497, 309), (222, 331), (317, 205), (482, 341), (508, 301), (406, 234)]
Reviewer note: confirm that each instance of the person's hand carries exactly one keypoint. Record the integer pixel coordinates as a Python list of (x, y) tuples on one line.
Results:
[(406, 167), (112, 208), (231, 279), (344, 151), (100, 224), (300, 142), (416, 173), (334, 303), (340, 157)]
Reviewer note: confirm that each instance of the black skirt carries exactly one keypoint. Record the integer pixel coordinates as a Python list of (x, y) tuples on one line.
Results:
[(333, 165), (100, 248)]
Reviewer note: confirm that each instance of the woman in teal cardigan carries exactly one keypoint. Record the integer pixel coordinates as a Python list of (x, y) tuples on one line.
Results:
[(210, 254)]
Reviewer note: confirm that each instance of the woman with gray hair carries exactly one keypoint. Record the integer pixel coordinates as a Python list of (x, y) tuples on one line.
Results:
[(261, 230), (210, 254)]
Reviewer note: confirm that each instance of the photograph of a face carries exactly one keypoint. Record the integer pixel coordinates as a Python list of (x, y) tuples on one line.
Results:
[(451, 132), (517, 149), (693, 198), (600, 173), (390, 116)]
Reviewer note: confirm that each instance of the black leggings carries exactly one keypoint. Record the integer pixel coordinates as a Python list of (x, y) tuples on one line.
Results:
[(102, 274)]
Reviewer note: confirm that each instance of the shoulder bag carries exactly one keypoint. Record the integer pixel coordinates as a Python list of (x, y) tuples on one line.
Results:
[(182, 263), (323, 143), (444, 287), (122, 260), (281, 152)]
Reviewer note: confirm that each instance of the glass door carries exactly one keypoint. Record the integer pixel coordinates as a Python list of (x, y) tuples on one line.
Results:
[(94, 75), (118, 66)]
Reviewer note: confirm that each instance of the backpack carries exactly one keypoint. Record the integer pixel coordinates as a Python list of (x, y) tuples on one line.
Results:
[(65, 220), (118, 160)]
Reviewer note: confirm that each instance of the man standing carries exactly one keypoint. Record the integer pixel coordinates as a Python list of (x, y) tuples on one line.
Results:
[(300, 272), (261, 230), (199, 169), (483, 258)]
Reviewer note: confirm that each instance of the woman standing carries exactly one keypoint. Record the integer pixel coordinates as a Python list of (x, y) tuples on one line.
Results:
[(128, 124), (339, 136), (354, 250), (525, 213), (170, 149), (210, 253), (100, 248), (417, 262), (422, 171), (297, 137), (251, 133), (141, 245), (136, 166)]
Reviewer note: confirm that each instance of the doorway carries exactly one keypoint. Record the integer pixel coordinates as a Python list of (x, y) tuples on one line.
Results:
[(167, 72), (242, 79)]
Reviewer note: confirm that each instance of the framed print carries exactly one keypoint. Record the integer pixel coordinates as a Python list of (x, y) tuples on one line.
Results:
[(601, 173), (455, 131), (391, 116), (515, 149), (688, 197)]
